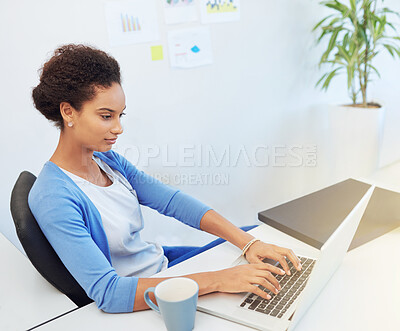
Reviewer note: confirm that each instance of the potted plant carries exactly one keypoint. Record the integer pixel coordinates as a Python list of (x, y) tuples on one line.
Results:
[(356, 32)]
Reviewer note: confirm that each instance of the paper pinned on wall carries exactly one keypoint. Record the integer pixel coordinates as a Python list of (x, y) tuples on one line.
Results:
[(180, 11), (190, 47), (215, 11), (157, 53), (131, 22)]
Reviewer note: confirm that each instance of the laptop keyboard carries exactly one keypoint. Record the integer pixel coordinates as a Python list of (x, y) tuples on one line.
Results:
[(291, 288)]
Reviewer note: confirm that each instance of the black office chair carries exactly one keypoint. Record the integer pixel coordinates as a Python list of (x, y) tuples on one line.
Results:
[(39, 251)]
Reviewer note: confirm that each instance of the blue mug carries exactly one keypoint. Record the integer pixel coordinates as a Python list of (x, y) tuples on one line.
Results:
[(177, 302)]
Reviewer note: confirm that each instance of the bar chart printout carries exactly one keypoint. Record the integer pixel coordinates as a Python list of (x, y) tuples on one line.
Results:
[(131, 22), (178, 2), (221, 6), (180, 11), (214, 11)]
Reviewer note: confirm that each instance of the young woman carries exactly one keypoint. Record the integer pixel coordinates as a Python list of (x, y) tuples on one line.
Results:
[(87, 197)]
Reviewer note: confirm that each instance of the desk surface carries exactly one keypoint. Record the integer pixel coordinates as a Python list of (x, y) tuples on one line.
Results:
[(362, 294), (26, 298)]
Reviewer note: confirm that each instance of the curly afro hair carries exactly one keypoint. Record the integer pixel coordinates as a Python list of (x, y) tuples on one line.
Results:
[(72, 75)]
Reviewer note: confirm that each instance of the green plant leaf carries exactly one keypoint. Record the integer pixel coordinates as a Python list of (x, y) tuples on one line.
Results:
[(329, 78), (336, 61), (363, 35), (391, 26), (353, 56), (321, 22), (332, 44), (353, 5), (321, 79), (334, 21), (333, 5), (382, 26), (324, 32), (350, 76), (344, 54), (376, 71), (389, 49), (397, 50), (343, 9), (388, 11)]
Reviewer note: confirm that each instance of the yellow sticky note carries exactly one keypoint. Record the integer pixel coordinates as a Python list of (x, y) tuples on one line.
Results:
[(157, 53)]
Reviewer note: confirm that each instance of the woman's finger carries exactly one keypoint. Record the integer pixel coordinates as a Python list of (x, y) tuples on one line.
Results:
[(274, 269), (257, 291), (281, 259), (265, 283), (295, 260), (291, 256), (268, 280)]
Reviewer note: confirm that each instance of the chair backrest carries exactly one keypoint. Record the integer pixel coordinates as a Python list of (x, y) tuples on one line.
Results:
[(37, 248)]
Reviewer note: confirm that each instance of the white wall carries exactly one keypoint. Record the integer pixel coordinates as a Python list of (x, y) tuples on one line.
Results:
[(259, 91)]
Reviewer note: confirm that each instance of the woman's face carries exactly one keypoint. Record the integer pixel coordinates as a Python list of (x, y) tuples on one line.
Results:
[(97, 125)]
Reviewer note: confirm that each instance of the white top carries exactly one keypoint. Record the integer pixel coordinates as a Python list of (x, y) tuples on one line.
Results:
[(122, 221)]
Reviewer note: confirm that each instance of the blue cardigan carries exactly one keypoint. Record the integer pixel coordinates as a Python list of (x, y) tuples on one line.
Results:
[(73, 226)]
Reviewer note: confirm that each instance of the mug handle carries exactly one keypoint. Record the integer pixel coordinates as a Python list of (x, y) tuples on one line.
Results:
[(148, 300)]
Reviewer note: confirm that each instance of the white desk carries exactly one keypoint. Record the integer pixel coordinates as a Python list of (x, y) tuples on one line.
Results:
[(362, 295), (26, 298)]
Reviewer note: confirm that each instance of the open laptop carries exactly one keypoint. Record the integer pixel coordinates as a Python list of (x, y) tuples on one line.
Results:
[(283, 312)]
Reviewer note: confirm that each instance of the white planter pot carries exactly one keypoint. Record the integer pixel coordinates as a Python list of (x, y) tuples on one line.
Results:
[(355, 137)]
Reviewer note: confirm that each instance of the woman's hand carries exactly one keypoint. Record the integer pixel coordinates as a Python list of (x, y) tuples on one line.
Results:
[(245, 278), (260, 250)]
